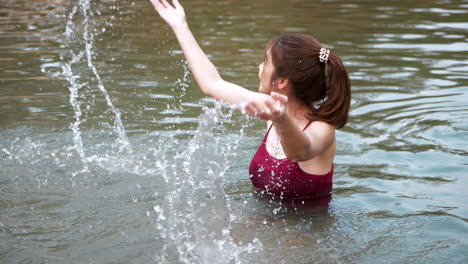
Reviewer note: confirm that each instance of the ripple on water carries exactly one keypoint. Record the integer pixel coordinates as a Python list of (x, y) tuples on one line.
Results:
[(399, 180)]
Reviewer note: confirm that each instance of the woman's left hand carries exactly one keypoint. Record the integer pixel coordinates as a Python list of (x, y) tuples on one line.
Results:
[(173, 14), (272, 108)]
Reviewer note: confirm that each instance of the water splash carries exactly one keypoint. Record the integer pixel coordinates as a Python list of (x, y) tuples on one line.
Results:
[(182, 84), (74, 96), (81, 32), (89, 47), (194, 220)]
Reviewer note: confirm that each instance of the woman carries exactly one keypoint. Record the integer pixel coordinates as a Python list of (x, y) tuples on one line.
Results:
[(304, 95)]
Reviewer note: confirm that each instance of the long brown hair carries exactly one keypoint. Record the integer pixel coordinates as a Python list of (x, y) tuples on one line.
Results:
[(324, 87)]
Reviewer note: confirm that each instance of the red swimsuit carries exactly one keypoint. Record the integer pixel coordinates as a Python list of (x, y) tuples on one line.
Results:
[(284, 177)]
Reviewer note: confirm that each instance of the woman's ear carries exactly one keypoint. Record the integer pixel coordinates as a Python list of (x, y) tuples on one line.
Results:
[(282, 83)]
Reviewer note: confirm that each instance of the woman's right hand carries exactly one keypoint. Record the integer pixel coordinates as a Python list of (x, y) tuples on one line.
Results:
[(270, 107), (174, 14), (206, 75)]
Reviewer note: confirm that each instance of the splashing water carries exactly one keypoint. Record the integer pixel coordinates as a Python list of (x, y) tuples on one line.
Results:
[(70, 195), (194, 220), (73, 73)]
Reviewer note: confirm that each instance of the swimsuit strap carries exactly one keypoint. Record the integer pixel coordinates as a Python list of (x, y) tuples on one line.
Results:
[(269, 128), (310, 122)]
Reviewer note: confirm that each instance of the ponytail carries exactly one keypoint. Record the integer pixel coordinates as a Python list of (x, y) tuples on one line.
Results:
[(318, 76), (335, 106)]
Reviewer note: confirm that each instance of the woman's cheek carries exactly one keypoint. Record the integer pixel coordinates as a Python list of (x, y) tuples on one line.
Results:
[(260, 70)]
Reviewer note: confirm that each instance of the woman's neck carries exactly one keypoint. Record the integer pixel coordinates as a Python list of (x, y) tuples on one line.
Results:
[(297, 110)]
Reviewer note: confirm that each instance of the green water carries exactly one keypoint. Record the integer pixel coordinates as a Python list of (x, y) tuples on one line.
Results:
[(169, 183)]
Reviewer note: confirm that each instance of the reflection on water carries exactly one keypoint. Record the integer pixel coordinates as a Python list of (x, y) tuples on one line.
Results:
[(102, 85)]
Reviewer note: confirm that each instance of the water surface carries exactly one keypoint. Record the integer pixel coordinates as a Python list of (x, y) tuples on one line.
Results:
[(109, 153)]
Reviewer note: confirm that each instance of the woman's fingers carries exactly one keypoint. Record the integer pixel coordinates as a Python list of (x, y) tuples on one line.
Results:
[(270, 106), (268, 109), (165, 4), (160, 5), (156, 4), (277, 104), (279, 97), (170, 11), (253, 109), (250, 110), (176, 4)]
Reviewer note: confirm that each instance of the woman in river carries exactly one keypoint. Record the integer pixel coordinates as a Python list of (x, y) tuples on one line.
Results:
[(304, 95)]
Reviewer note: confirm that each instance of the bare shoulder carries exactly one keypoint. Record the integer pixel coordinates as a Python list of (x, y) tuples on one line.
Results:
[(320, 125), (322, 131)]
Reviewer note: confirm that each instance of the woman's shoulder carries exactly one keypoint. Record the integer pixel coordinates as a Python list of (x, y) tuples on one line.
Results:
[(320, 125), (321, 129)]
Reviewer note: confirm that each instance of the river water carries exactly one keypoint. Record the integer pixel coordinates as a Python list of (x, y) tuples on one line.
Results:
[(109, 153)]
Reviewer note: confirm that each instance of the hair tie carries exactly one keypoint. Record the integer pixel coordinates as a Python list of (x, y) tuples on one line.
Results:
[(324, 53)]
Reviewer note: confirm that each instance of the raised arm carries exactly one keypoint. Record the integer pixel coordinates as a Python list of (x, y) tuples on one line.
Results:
[(296, 144), (205, 73)]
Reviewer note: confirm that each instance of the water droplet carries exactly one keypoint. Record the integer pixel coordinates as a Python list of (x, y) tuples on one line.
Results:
[(157, 209)]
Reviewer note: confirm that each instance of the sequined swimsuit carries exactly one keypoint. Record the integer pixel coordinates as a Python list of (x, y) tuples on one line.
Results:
[(284, 177)]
